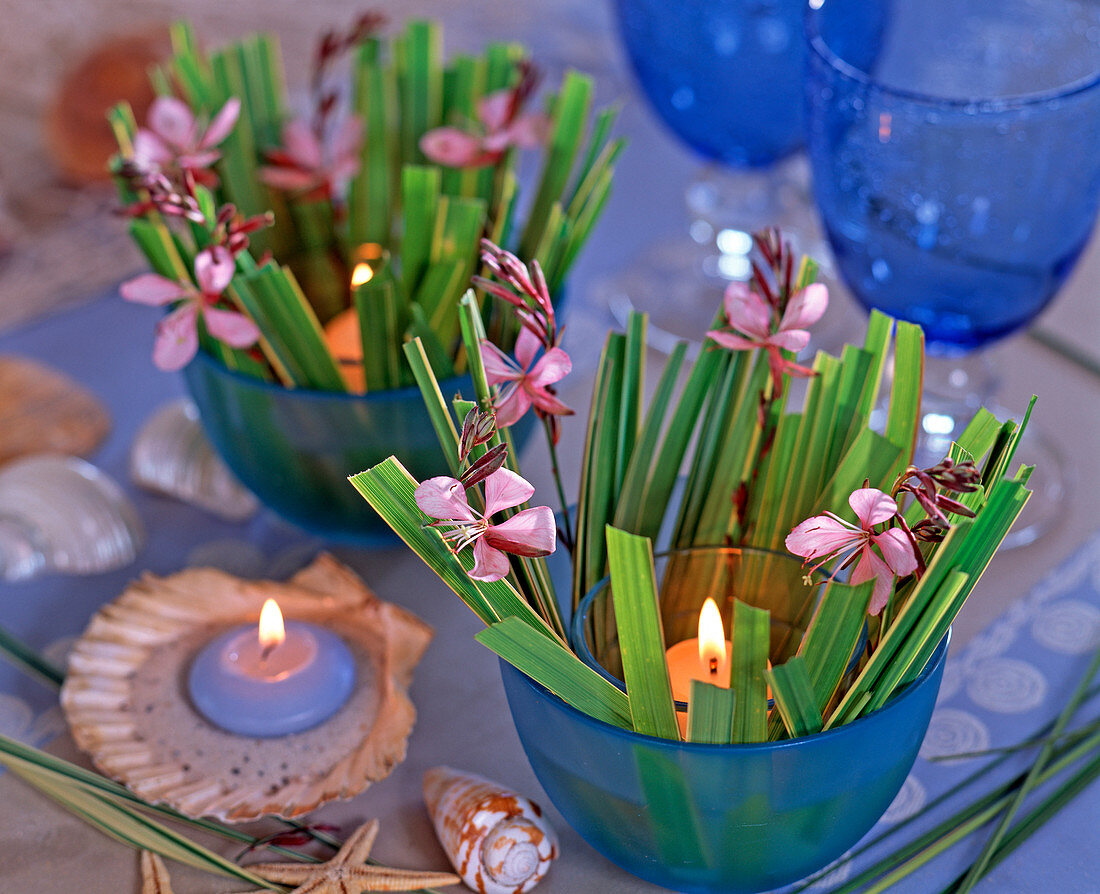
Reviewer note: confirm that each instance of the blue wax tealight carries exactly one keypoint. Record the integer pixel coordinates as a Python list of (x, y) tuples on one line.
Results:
[(294, 686)]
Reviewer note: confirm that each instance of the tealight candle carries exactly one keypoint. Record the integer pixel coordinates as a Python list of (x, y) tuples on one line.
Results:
[(705, 658), (273, 679)]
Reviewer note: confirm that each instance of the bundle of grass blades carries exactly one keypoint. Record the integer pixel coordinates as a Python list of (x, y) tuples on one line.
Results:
[(395, 249)]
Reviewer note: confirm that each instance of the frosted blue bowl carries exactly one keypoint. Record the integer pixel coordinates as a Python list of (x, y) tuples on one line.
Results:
[(720, 818), (295, 448)]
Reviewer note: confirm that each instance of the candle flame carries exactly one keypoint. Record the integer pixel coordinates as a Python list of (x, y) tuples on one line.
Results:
[(272, 632), (370, 257), (363, 273), (712, 638)]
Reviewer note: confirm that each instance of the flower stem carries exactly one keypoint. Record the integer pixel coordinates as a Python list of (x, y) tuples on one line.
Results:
[(555, 468)]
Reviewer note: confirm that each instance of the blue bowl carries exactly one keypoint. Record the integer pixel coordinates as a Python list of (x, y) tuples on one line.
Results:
[(295, 448), (721, 818)]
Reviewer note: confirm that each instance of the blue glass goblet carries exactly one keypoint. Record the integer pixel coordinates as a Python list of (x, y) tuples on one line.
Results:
[(953, 150), (726, 77)]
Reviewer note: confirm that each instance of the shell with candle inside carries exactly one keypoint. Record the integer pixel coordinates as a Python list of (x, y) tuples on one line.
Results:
[(497, 840), (127, 708)]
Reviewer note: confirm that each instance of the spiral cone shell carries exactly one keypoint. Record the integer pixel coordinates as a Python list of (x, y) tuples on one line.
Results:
[(497, 840)]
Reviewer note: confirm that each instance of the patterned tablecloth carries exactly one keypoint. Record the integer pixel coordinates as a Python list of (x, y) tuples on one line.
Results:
[(1002, 687)]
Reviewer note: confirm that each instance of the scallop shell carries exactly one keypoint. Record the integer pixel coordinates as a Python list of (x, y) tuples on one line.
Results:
[(127, 710), (172, 456), (60, 513), (497, 840), (42, 410)]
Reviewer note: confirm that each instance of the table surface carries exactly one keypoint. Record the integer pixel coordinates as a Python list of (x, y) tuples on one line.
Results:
[(463, 719)]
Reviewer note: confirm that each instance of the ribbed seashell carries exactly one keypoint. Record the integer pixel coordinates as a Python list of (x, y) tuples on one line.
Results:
[(42, 410), (497, 840), (172, 456), (62, 514)]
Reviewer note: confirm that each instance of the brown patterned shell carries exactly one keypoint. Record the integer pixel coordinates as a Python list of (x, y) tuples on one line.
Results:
[(42, 410), (497, 840), (125, 700)]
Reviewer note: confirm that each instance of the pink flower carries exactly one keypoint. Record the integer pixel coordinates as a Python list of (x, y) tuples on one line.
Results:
[(306, 166), (523, 383), (502, 126), (177, 334), (174, 138), (530, 532), (751, 318), (825, 537)]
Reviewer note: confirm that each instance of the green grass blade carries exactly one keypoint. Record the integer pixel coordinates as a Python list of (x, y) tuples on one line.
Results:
[(751, 641), (27, 659), (638, 614), (559, 670), (710, 713), (794, 697)]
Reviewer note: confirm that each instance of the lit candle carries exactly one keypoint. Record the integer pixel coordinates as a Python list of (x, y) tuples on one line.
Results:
[(273, 679), (346, 346), (705, 658)]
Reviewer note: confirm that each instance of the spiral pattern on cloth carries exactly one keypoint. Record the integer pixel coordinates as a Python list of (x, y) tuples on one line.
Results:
[(912, 797), (954, 732), (1007, 686), (1071, 627)]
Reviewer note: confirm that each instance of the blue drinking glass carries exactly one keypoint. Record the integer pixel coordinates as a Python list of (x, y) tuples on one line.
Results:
[(953, 145), (725, 76), (953, 151)]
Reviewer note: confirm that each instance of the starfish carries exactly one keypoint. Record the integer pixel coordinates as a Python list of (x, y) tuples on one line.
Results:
[(346, 873), (154, 875)]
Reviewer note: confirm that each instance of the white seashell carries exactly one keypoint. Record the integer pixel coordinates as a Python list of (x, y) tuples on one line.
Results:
[(497, 840), (60, 513), (172, 456)]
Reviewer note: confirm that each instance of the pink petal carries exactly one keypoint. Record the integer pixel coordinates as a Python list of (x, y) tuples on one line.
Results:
[(348, 140), (505, 489), (527, 346), (731, 341), (528, 533), (235, 329), (791, 340), (302, 145), (222, 123), (872, 506), (528, 131), (451, 147), (288, 179), (150, 150), (547, 402), (747, 312), (443, 497), (172, 121), (489, 564), (552, 367), (499, 367), (512, 406), (871, 566), (493, 109), (149, 288), (806, 307), (198, 160), (820, 536), (177, 339), (214, 269), (897, 550)]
